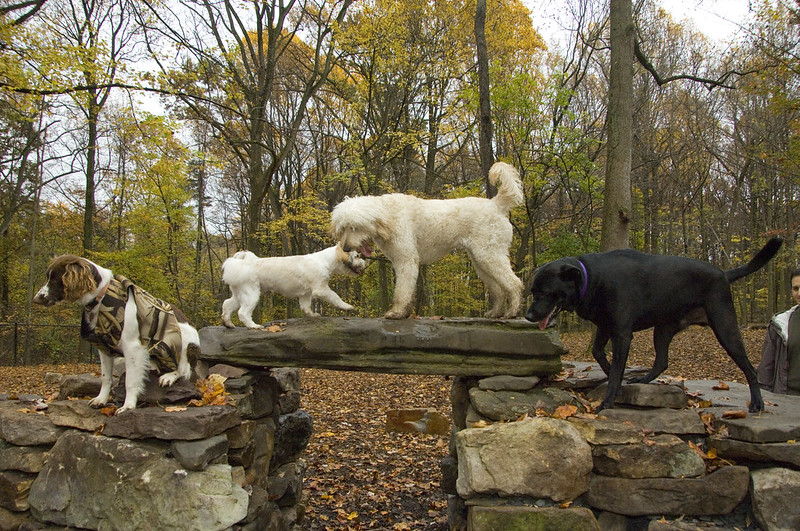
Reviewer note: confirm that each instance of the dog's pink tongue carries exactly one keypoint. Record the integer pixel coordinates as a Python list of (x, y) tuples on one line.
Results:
[(543, 323), (366, 250)]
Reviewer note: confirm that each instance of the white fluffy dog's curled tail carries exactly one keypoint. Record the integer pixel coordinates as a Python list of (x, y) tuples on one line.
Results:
[(509, 193), (412, 232)]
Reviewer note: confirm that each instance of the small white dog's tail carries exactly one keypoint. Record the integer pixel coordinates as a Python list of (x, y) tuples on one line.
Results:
[(509, 193), (233, 262)]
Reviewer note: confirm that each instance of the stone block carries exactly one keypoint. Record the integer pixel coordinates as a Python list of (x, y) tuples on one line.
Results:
[(510, 405), (189, 424), (197, 455), (76, 414), (14, 488), (29, 459), (516, 518), (79, 386), (662, 456), (774, 492), (537, 457), (21, 427), (660, 420), (716, 493), (417, 420)]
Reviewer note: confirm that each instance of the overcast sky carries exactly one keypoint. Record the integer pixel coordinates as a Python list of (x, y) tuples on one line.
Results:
[(720, 20)]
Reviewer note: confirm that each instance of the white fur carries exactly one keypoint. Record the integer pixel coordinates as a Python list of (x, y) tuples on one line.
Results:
[(304, 277), (137, 358), (412, 231)]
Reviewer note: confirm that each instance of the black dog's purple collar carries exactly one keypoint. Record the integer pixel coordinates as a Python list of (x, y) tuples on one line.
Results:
[(585, 285)]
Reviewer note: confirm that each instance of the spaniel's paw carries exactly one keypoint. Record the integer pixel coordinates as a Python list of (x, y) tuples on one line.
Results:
[(166, 380)]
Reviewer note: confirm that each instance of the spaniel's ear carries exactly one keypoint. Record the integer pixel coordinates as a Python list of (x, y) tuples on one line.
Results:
[(78, 280)]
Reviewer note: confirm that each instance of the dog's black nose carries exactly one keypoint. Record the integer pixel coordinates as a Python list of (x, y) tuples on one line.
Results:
[(346, 249)]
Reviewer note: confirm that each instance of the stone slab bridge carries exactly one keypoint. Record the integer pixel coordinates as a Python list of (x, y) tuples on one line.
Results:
[(454, 347)]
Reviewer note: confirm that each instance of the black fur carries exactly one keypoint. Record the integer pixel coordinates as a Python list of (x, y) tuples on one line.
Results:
[(625, 291)]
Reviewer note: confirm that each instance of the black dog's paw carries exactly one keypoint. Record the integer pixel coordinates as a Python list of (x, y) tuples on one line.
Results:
[(756, 407)]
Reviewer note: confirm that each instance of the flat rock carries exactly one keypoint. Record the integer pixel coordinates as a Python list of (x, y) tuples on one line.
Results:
[(417, 420), (661, 420), (181, 392), (654, 395), (197, 455), (760, 428), (509, 405), (21, 427), (604, 431), (662, 456), (79, 386), (189, 424), (775, 492), (29, 459), (482, 347), (506, 382), (76, 414), (717, 493), (228, 371), (239, 436), (513, 517), (585, 375), (788, 453)]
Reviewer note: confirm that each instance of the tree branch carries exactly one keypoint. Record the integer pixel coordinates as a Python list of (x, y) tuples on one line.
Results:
[(709, 83)]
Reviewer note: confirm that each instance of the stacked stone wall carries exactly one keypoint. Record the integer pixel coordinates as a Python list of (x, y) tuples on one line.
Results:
[(173, 466), (524, 454)]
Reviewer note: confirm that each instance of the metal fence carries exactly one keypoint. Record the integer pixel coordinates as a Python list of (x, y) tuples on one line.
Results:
[(35, 344)]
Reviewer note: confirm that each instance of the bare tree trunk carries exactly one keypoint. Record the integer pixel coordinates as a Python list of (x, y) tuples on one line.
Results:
[(91, 170), (617, 209), (484, 106)]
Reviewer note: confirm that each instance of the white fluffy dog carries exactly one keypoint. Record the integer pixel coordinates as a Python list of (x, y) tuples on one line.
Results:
[(303, 276), (412, 231)]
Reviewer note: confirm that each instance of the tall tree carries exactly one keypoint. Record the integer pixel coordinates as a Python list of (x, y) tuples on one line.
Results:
[(618, 203), (484, 96)]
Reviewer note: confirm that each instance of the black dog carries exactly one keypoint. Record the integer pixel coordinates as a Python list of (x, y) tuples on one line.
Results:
[(624, 291)]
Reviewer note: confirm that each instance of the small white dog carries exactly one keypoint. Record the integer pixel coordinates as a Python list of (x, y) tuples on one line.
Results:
[(302, 276), (412, 231), (121, 318)]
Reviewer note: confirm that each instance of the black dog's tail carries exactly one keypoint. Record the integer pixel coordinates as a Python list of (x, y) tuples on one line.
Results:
[(759, 260)]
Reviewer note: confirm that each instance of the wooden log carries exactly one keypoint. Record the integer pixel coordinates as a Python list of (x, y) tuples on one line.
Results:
[(463, 347)]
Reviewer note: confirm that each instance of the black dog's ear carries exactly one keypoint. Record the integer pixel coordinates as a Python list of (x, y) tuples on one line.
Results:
[(570, 273)]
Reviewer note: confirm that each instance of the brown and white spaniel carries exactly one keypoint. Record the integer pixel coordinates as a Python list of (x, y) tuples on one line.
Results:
[(122, 319)]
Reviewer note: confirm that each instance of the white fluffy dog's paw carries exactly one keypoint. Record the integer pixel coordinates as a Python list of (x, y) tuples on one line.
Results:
[(255, 327), (97, 402), (166, 380), (124, 408), (348, 307)]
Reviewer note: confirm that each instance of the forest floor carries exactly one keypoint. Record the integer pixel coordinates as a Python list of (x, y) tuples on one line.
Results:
[(362, 477)]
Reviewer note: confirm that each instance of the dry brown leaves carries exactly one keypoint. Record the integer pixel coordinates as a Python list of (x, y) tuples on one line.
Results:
[(360, 476), (694, 353)]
